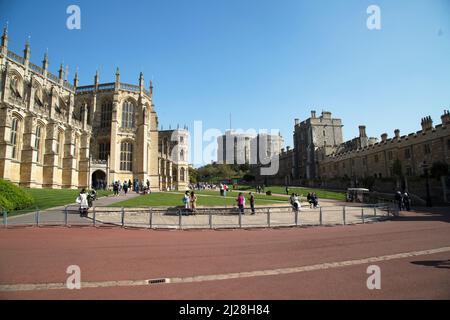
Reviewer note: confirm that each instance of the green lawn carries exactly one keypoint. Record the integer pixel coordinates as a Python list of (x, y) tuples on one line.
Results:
[(205, 198), (49, 198), (321, 193)]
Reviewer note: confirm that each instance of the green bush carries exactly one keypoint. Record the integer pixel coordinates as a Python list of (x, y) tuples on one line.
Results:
[(13, 198)]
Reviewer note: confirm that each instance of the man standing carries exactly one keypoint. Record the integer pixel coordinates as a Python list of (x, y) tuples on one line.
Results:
[(252, 202)]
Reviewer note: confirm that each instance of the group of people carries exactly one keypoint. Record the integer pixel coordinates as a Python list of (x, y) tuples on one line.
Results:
[(85, 200), (260, 189), (295, 202), (241, 202), (312, 199), (190, 201), (137, 186), (403, 201)]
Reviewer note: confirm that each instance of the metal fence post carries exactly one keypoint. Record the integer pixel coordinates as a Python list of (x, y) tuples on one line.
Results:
[(123, 217), (268, 217), (374, 211), (179, 219), (296, 218), (151, 218), (240, 219), (320, 215), (93, 216), (5, 218), (344, 218), (362, 215), (37, 217), (66, 218), (210, 220)]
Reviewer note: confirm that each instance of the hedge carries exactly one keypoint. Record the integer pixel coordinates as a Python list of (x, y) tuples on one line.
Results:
[(14, 198)]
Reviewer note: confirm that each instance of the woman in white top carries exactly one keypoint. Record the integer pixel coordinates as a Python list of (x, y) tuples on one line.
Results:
[(83, 201)]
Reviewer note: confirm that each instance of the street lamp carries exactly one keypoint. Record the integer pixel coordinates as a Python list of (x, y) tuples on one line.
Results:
[(425, 168)]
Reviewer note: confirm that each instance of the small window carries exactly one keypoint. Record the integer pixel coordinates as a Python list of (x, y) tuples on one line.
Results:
[(408, 153), (390, 155), (427, 149), (376, 159)]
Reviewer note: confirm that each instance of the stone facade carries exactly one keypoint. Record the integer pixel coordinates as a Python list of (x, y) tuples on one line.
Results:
[(57, 135), (173, 159)]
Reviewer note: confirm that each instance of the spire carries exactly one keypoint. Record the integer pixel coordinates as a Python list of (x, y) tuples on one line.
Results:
[(117, 75), (97, 77), (141, 80), (61, 72), (75, 79), (45, 61), (26, 52), (151, 88), (5, 36)]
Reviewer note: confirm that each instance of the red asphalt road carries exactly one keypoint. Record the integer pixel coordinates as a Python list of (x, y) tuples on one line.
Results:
[(41, 255)]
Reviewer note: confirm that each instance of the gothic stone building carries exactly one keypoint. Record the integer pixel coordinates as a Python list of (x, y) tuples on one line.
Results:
[(57, 135)]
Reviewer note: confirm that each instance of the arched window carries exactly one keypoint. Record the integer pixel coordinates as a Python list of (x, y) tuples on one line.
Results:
[(38, 143), (14, 138), (127, 115), (103, 151), (126, 156), (106, 112), (182, 155), (182, 174)]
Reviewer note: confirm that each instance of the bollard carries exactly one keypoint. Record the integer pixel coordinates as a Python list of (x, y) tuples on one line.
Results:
[(374, 211), (362, 215), (93, 217), (5, 218), (123, 217), (37, 217), (179, 219), (320, 215), (151, 218), (210, 220), (66, 218), (268, 217), (343, 216)]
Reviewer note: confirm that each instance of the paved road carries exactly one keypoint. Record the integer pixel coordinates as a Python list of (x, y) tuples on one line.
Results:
[(322, 262)]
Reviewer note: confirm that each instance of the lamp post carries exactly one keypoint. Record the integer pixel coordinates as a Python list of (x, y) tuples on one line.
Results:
[(425, 167)]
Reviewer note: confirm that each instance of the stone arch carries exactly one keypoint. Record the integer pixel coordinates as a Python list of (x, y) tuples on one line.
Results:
[(99, 179)]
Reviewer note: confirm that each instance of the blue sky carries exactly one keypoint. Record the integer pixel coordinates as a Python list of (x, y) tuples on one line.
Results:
[(265, 62)]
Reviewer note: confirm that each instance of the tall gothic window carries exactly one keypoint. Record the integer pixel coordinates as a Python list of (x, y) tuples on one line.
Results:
[(126, 156), (15, 138), (60, 148), (182, 174), (127, 115), (106, 112), (182, 155), (103, 151), (38, 143)]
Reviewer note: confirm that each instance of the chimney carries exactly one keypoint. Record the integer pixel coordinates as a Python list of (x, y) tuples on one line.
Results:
[(288, 148), (384, 137), (313, 114), (397, 133), (362, 131), (297, 121), (445, 117), (282, 150), (427, 123), (326, 115)]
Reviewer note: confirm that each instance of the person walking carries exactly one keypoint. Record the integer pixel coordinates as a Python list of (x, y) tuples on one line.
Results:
[(252, 202), (193, 201), (287, 190), (399, 199), (186, 200), (125, 187)]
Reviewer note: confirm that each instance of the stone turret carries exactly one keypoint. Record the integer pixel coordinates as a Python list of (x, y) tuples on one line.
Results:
[(445, 118), (362, 131), (384, 137), (397, 133)]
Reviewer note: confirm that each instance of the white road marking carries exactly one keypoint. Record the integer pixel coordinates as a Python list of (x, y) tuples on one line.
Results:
[(225, 276)]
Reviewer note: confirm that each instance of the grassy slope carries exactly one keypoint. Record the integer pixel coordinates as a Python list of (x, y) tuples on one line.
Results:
[(49, 198), (205, 198), (321, 194)]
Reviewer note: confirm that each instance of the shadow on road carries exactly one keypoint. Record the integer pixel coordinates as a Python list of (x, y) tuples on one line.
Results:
[(443, 264), (425, 214)]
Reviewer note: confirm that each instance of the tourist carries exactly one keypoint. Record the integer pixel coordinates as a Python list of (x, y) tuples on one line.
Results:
[(287, 190), (241, 202), (125, 187), (406, 201), (186, 200), (314, 200), (252, 202), (82, 200), (193, 201), (399, 199), (115, 188), (221, 190)]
